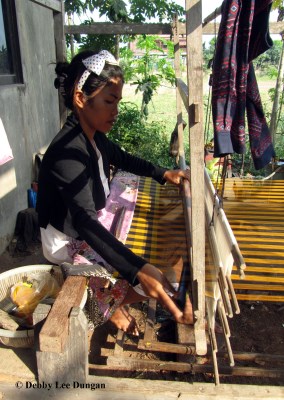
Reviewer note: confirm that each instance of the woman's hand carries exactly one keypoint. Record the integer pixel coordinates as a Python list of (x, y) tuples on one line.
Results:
[(154, 284), (174, 176)]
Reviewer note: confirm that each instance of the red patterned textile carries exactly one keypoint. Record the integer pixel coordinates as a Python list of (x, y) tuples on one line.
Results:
[(243, 35)]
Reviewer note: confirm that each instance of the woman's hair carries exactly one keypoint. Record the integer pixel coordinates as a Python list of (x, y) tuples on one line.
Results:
[(68, 75)]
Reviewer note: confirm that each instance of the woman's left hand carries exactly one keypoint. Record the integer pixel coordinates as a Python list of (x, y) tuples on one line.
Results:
[(174, 176)]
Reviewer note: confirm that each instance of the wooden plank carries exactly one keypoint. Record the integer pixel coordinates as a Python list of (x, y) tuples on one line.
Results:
[(54, 5), (183, 91), (110, 28), (274, 28), (241, 371), (177, 56), (54, 333), (132, 364), (212, 16), (149, 334), (72, 364), (256, 357), (195, 96), (167, 347)]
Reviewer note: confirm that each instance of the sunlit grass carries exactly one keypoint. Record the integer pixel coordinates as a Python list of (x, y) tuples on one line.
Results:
[(162, 108)]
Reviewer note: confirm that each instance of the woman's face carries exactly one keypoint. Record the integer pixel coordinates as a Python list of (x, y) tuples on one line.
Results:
[(99, 112)]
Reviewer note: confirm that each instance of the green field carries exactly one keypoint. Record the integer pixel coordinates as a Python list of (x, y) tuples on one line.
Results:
[(163, 105)]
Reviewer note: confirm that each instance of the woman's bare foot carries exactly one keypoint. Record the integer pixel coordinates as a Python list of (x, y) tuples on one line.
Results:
[(124, 321)]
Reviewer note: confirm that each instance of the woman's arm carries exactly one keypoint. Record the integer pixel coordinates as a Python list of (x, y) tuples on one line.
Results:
[(155, 284)]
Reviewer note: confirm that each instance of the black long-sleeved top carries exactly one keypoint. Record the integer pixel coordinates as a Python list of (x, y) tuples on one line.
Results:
[(71, 192)]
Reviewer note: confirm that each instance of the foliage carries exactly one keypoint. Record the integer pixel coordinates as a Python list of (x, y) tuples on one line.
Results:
[(208, 53), (150, 70), (280, 118), (269, 58), (164, 10), (279, 147), (95, 42), (127, 63), (142, 139), (116, 10), (277, 4), (78, 6)]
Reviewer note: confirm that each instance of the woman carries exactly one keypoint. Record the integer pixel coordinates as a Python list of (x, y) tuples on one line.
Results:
[(74, 186)]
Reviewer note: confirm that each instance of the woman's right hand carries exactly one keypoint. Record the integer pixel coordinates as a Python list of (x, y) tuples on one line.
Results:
[(155, 284)]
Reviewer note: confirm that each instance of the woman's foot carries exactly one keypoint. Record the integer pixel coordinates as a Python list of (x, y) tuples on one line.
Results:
[(124, 321)]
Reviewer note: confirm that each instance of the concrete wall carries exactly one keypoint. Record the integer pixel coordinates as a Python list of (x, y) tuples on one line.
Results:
[(29, 111)]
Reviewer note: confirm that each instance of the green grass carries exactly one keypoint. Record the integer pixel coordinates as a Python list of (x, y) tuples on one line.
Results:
[(162, 108)]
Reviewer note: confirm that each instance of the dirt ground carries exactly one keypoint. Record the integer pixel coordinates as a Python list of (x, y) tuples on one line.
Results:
[(259, 328)]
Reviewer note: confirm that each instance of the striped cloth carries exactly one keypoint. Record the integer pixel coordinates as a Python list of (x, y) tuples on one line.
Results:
[(255, 211)]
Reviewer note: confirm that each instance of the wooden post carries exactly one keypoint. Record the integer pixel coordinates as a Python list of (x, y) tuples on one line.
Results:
[(196, 139), (39, 317), (181, 155), (54, 334), (71, 364), (62, 348), (60, 49)]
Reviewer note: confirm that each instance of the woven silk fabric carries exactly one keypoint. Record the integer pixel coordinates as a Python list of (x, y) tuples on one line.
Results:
[(243, 35)]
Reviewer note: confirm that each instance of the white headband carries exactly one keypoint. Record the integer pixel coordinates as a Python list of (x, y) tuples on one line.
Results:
[(95, 64)]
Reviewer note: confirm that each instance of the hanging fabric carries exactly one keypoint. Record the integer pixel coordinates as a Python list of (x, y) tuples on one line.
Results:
[(243, 35), (5, 149)]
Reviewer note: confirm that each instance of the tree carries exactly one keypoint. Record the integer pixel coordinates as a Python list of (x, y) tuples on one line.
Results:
[(116, 10), (152, 68), (279, 83), (208, 53), (148, 71)]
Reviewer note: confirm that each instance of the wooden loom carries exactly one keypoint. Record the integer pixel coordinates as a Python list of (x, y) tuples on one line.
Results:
[(157, 233), (211, 291)]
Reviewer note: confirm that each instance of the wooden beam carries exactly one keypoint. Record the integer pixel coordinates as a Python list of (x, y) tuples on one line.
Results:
[(183, 91), (136, 364), (196, 141), (166, 347), (274, 28), (54, 333), (109, 28), (54, 5), (212, 16), (177, 58)]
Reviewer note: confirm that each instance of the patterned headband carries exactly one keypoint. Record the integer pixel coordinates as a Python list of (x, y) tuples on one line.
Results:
[(95, 64)]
